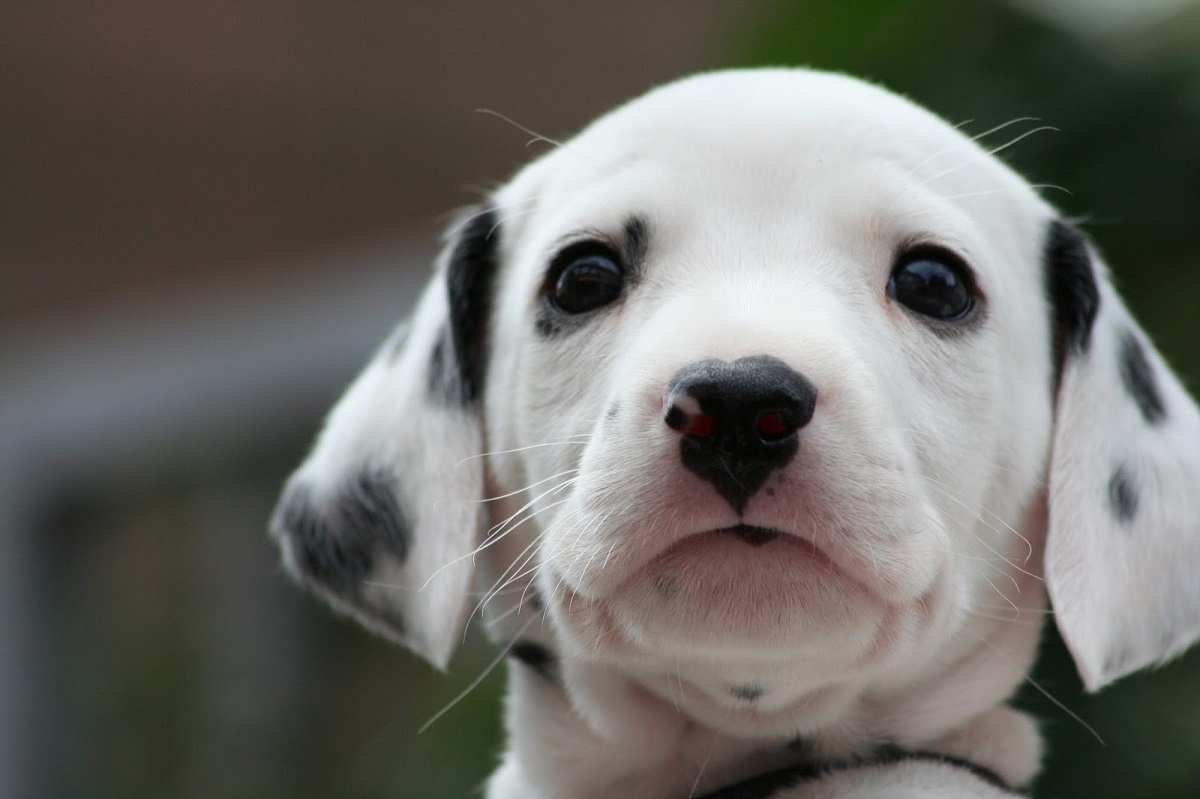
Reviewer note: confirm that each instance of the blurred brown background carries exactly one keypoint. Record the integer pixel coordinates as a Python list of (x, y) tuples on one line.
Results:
[(210, 212)]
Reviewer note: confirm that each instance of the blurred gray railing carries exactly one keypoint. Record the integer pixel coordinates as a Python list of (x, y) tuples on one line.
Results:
[(97, 398)]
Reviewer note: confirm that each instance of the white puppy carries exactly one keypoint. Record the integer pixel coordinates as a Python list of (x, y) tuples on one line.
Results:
[(763, 415)]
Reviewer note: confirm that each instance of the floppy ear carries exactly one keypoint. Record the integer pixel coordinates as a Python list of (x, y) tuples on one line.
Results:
[(382, 517), (1123, 544)]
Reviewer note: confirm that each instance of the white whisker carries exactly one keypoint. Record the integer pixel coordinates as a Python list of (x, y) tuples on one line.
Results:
[(474, 683)]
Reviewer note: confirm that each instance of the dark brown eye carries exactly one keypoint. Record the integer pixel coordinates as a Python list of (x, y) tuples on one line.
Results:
[(588, 277), (934, 283)]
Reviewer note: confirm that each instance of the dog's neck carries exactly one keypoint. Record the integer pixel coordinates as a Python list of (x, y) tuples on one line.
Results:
[(601, 727), (559, 750)]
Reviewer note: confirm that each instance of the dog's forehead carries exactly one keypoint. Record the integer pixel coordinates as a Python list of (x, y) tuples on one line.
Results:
[(759, 123), (786, 156)]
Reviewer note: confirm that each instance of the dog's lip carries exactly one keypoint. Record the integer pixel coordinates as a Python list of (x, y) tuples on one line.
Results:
[(829, 559), (752, 534), (756, 536)]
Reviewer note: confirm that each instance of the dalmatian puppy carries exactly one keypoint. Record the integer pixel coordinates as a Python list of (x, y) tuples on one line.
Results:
[(760, 422)]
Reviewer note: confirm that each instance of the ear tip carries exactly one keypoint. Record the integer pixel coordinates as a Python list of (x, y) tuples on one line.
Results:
[(1099, 671), (439, 658)]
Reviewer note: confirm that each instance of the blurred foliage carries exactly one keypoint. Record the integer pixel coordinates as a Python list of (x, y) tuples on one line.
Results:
[(1127, 154)]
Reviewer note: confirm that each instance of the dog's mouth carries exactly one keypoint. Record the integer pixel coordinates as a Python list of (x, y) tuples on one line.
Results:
[(751, 534)]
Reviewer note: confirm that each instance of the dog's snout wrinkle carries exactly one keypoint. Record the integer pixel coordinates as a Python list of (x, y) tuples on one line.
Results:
[(739, 420)]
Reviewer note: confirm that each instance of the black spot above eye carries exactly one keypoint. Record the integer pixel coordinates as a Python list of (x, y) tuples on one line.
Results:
[(584, 277), (932, 282)]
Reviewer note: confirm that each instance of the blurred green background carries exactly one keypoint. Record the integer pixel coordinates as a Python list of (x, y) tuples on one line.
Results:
[(209, 212)]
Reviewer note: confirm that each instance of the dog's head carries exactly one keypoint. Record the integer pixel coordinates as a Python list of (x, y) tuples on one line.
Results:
[(774, 392)]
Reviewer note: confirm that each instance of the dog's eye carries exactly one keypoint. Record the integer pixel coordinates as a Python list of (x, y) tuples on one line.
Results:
[(933, 283), (588, 277)]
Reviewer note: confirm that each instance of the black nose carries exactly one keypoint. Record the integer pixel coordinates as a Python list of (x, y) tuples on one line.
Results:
[(739, 420)]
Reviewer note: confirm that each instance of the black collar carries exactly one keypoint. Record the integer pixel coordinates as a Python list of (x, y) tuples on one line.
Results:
[(765, 786)]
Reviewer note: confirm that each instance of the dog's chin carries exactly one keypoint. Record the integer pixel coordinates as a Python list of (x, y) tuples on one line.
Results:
[(747, 591)]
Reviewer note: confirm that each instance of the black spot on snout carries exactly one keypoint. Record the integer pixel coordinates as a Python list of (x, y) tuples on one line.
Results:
[(1122, 495), (1137, 375), (336, 541), (470, 285), (535, 656), (1070, 284)]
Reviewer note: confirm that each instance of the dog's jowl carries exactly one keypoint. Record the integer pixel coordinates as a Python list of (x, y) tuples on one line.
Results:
[(761, 438)]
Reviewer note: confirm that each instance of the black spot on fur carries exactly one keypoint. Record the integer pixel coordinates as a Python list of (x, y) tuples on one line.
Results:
[(748, 692), (470, 283), (535, 656), (336, 543), (637, 244), (1072, 291), (613, 412), (1122, 495), (548, 324), (444, 381), (1137, 375)]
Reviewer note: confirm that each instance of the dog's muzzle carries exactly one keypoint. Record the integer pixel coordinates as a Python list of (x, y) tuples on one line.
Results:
[(739, 421)]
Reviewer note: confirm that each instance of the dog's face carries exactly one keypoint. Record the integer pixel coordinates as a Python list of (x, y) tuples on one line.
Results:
[(653, 260), (772, 389)]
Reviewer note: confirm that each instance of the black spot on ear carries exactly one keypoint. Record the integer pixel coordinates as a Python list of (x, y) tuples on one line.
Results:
[(1122, 495), (748, 692), (470, 283), (1072, 291), (1137, 375), (336, 542), (535, 656)]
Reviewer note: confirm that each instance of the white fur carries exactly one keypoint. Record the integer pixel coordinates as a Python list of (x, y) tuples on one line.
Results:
[(904, 603)]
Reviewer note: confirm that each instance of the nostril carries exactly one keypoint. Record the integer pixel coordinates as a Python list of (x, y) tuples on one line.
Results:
[(698, 423), (772, 426)]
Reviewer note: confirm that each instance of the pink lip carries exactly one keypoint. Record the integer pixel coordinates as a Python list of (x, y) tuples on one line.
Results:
[(626, 569)]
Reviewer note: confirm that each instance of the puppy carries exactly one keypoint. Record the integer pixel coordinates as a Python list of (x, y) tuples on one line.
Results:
[(760, 421)]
